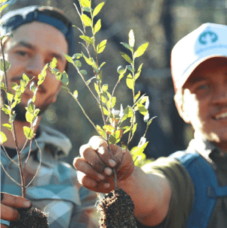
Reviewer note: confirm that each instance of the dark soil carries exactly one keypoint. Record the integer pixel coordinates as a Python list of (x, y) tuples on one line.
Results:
[(33, 218), (116, 210)]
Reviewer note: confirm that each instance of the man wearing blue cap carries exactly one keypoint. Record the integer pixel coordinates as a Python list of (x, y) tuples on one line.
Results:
[(39, 34), (189, 188)]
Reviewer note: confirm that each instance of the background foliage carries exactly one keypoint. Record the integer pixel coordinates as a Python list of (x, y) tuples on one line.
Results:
[(161, 23)]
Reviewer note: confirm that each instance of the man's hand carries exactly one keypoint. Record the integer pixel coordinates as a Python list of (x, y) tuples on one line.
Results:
[(10, 204), (95, 166)]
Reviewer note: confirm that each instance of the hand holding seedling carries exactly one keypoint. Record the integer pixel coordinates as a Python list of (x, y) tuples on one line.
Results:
[(96, 165), (10, 204)]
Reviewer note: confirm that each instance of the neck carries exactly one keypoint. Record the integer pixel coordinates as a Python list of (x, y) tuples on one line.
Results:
[(19, 139)]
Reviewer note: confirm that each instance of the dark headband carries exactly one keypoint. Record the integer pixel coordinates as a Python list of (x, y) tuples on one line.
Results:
[(15, 18)]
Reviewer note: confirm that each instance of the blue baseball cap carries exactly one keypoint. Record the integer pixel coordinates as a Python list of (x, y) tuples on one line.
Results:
[(44, 14)]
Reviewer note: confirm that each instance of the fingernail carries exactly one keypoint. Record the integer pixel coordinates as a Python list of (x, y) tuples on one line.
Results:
[(106, 185), (101, 177), (108, 171), (112, 162), (27, 203)]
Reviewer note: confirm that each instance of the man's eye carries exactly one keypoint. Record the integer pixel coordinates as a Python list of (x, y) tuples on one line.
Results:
[(203, 87), (22, 53)]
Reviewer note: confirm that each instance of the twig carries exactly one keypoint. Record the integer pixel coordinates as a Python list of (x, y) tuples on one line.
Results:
[(9, 175), (38, 166), (4, 149), (14, 131)]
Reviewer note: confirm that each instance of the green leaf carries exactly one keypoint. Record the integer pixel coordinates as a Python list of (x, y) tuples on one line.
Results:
[(118, 135), (75, 94), (102, 65), (65, 78), (3, 7), (8, 126), (83, 72), (101, 131), (127, 46), (6, 110), (96, 88), (78, 63), (142, 109), (139, 71), (31, 106), (130, 81), (134, 128), (3, 138), (126, 129), (121, 76), (120, 70), (126, 57), (143, 99), (77, 56), (68, 58), (10, 96), (15, 86), (88, 39), (103, 99), (25, 78), (111, 103), (108, 128), (97, 26), (86, 20), (3, 86), (105, 111), (53, 63), (137, 96), (112, 139), (101, 46), (150, 121), (131, 38), (89, 61), (7, 65), (128, 112), (129, 67), (105, 87), (28, 132), (29, 117), (32, 87), (138, 150), (42, 75), (86, 9), (85, 3), (98, 8), (140, 51)]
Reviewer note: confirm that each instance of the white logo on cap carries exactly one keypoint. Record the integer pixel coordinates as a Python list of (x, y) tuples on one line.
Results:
[(208, 38)]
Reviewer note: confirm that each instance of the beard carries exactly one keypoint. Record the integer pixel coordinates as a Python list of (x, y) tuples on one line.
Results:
[(21, 111)]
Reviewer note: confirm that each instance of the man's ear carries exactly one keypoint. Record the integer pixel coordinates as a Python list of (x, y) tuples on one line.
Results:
[(180, 105)]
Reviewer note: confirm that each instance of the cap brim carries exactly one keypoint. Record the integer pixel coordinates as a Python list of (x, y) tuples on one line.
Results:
[(189, 71)]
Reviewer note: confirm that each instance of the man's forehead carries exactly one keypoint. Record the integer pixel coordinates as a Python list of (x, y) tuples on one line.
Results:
[(15, 19), (41, 38)]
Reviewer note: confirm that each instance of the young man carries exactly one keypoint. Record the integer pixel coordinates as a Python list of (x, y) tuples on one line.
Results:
[(188, 189), (39, 34)]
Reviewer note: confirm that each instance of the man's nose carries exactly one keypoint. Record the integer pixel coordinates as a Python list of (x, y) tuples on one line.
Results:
[(35, 66)]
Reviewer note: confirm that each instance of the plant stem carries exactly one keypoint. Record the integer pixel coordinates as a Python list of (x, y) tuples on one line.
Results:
[(14, 131)]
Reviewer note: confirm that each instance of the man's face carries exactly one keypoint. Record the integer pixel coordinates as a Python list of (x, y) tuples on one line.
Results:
[(205, 100), (31, 47)]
